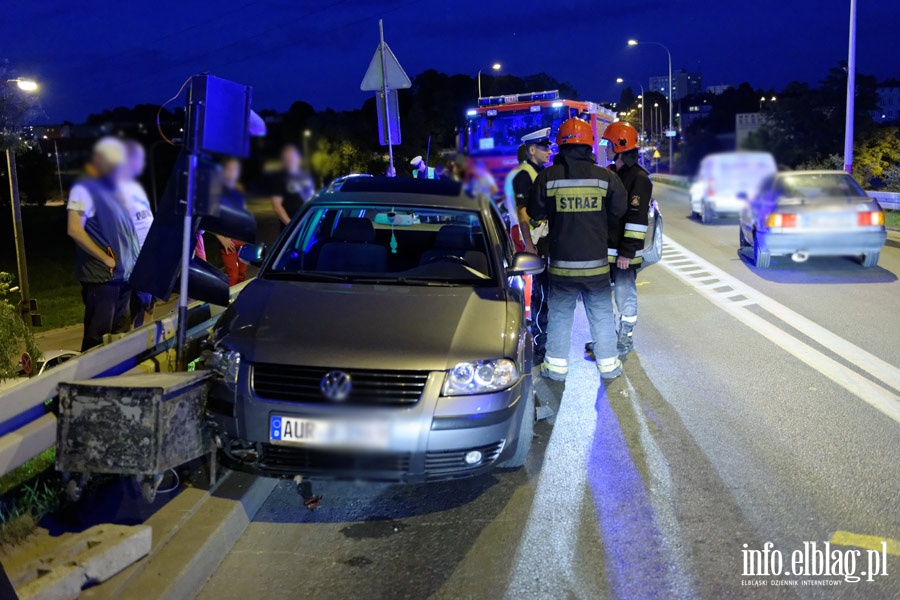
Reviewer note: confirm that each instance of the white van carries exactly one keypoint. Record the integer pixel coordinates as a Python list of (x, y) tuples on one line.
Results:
[(726, 181)]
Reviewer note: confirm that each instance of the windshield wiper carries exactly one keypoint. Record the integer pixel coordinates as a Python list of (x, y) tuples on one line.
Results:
[(410, 281), (306, 275)]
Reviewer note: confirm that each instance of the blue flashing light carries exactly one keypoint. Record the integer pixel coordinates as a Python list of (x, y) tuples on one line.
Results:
[(535, 109), (471, 112), (516, 98), (557, 105), (492, 112)]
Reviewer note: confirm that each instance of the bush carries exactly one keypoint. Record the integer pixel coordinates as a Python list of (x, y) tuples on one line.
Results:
[(15, 336)]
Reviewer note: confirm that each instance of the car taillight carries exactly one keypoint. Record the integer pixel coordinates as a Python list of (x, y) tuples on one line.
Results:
[(782, 220), (866, 219), (710, 187)]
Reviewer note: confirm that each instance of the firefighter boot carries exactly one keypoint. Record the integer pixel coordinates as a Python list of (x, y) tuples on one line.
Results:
[(626, 337)]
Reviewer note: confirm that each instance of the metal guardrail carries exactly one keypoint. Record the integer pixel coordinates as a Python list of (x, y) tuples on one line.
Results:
[(887, 200), (27, 428), (675, 180)]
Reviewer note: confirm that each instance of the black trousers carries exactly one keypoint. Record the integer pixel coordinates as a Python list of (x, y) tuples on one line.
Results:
[(106, 310), (540, 313)]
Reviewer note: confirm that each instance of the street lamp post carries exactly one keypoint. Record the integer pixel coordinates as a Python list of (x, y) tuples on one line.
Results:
[(494, 67), (306, 135), (671, 125), (25, 85), (851, 91), (641, 106)]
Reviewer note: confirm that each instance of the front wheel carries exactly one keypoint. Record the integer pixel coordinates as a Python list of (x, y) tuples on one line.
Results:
[(870, 259), (762, 259), (526, 433)]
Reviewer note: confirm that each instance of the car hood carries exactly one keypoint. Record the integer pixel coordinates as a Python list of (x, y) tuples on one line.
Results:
[(365, 326)]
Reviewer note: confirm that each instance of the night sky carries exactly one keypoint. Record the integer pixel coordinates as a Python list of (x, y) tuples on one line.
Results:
[(91, 55)]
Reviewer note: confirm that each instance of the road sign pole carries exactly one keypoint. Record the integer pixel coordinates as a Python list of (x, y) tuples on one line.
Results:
[(384, 90)]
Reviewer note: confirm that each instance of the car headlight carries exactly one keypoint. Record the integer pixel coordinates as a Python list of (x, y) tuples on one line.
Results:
[(225, 363), (480, 377)]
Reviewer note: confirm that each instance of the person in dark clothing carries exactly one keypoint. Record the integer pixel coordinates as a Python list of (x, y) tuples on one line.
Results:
[(107, 246), (291, 187), (525, 230), (627, 245), (584, 205)]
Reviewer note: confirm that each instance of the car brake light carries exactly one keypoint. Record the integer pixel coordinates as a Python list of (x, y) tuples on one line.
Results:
[(782, 220), (866, 219), (710, 190)]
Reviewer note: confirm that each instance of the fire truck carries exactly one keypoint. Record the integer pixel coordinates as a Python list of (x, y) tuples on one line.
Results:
[(494, 130)]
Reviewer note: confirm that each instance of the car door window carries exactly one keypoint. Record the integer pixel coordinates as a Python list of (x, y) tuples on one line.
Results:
[(503, 234)]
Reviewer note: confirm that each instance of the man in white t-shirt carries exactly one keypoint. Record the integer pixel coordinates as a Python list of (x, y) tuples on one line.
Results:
[(142, 215), (134, 193)]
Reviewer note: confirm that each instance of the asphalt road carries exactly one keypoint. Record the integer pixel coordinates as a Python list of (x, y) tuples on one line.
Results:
[(758, 407)]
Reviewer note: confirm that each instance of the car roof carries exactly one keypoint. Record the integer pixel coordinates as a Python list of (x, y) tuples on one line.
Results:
[(400, 191), (51, 354)]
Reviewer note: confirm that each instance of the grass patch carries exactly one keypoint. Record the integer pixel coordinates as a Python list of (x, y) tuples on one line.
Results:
[(26, 495), (892, 219), (50, 255)]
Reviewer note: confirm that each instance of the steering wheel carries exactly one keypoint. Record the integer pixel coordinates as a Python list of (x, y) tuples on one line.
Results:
[(449, 257)]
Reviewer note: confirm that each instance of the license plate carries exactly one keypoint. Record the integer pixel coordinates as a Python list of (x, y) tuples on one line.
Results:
[(830, 221), (329, 433)]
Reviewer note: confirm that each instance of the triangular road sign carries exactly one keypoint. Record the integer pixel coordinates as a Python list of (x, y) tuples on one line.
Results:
[(394, 76)]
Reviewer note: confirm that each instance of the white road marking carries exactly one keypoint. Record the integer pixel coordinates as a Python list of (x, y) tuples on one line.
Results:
[(876, 395)]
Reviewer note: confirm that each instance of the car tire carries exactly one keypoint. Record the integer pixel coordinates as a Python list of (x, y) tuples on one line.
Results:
[(743, 238), (763, 260), (706, 216), (526, 433), (870, 260)]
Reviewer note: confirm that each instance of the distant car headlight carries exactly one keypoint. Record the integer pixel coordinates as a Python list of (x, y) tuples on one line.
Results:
[(480, 377), (225, 363)]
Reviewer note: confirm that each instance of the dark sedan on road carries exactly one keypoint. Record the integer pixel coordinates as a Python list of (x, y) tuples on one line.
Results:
[(383, 339), (812, 213)]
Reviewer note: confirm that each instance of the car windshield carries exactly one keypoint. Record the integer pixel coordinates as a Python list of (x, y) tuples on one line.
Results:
[(816, 186), (386, 244)]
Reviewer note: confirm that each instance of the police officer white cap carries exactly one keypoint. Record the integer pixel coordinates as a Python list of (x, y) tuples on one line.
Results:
[(416, 162), (540, 137)]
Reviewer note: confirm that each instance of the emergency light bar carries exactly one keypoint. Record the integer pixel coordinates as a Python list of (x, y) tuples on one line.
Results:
[(516, 98)]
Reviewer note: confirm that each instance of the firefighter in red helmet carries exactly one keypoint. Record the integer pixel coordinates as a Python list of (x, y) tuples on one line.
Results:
[(584, 204)]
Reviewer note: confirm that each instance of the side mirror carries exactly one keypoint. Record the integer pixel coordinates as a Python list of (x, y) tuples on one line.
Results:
[(525, 263), (252, 254)]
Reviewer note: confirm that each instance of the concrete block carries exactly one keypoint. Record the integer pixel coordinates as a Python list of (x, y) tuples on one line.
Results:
[(57, 568)]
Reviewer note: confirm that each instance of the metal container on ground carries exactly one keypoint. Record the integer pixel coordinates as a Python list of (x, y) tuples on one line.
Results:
[(139, 425)]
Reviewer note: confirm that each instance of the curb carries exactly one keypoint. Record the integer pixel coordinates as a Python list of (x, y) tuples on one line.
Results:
[(191, 537)]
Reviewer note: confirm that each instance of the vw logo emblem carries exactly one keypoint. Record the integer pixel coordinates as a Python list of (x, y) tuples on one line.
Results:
[(336, 386)]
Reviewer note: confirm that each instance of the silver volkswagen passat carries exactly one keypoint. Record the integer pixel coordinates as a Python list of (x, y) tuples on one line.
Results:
[(384, 338)]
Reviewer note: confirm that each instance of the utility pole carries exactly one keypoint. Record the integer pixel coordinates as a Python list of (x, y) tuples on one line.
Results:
[(851, 91)]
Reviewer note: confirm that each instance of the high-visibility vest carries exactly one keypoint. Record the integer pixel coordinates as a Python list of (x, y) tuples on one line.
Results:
[(429, 173), (510, 195)]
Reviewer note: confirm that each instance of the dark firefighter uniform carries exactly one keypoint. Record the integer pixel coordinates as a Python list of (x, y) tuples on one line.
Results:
[(630, 241), (584, 204)]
